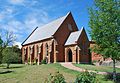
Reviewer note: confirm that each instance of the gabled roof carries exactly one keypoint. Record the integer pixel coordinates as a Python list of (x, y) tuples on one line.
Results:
[(45, 31), (73, 38)]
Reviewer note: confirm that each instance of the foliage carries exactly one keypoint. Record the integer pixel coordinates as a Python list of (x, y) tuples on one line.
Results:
[(86, 77), (44, 61), (109, 77), (17, 50), (10, 56), (1, 42), (56, 78), (9, 38), (105, 29), (35, 61)]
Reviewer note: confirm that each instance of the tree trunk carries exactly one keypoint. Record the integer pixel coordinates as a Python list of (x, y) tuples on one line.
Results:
[(8, 65), (114, 71)]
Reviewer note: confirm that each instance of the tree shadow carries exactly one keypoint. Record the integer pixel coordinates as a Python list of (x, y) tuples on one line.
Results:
[(14, 67), (5, 72), (110, 77)]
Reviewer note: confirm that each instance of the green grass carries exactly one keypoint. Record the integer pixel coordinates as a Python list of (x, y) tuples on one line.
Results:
[(20, 73), (97, 68)]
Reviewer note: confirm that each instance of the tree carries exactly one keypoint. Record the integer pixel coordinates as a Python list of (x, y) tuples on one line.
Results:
[(1, 42), (9, 38), (105, 29), (10, 56), (17, 50)]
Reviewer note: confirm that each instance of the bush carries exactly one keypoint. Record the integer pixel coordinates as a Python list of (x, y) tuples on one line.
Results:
[(35, 61), (44, 61), (56, 78), (9, 56), (86, 77)]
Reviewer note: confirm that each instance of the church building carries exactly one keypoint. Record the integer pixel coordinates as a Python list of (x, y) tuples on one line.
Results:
[(57, 41)]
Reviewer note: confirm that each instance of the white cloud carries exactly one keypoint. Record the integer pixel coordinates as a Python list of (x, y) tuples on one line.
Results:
[(22, 28), (7, 13), (17, 43), (16, 1)]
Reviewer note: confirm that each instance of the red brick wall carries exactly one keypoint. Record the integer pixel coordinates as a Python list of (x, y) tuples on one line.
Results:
[(62, 34), (83, 42)]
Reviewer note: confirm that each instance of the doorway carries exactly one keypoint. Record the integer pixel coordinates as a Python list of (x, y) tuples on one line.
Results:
[(69, 55)]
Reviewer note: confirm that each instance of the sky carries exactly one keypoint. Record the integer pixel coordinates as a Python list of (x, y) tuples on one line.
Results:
[(22, 16)]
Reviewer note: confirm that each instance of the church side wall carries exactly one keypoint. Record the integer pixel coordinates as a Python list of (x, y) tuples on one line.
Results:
[(35, 52)]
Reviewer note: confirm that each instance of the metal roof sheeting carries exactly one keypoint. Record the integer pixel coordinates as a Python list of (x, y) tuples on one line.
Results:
[(45, 31), (73, 37)]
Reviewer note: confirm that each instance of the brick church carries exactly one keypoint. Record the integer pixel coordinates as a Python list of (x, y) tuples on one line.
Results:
[(57, 41)]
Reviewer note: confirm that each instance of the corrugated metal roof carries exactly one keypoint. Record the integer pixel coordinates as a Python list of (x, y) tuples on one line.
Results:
[(73, 37), (45, 31)]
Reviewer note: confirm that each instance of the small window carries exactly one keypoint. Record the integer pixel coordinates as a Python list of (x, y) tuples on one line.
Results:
[(24, 50), (70, 27), (31, 49)]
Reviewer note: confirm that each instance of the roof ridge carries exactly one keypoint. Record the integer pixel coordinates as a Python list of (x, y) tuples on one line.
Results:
[(80, 32), (50, 22)]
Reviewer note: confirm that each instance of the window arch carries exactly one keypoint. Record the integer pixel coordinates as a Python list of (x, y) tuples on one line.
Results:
[(46, 47)]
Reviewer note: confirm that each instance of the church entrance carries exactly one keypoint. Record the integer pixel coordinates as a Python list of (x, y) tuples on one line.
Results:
[(69, 55)]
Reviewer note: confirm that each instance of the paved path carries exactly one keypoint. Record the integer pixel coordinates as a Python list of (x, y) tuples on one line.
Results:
[(71, 66)]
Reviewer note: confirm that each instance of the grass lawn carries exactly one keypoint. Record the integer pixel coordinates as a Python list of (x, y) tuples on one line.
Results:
[(97, 68), (20, 73)]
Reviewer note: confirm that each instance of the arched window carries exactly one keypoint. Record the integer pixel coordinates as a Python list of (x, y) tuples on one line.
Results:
[(46, 49), (24, 51)]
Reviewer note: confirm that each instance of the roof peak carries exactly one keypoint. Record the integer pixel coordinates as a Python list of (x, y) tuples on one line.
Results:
[(69, 13)]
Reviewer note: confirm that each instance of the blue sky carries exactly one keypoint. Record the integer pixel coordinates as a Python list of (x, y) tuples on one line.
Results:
[(22, 16)]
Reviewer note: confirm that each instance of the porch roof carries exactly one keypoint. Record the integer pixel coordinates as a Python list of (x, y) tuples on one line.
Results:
[(73, 38)]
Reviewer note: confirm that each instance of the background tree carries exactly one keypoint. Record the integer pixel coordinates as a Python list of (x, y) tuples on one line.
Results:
[(7, 39), (10, 56), (1, 42), (105, 29), (17, 50)]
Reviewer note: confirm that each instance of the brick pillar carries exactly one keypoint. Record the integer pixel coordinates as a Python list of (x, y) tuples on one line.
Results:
[(35, 51), (49, 52), (28, 53), (66, 55), (39, 53), (78, 52), (55, 54), (74, 56), (38, 63), (55, 50), (31, 54)]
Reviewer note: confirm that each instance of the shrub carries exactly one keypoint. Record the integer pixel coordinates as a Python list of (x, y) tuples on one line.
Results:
[(35, 61), (86, 77), (55, 78), (44, 61), (9, 56)]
